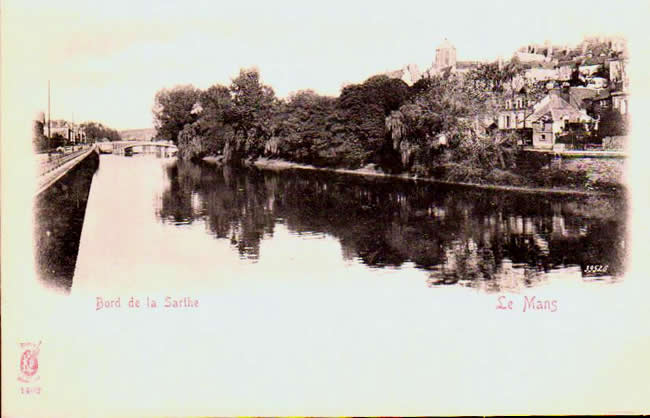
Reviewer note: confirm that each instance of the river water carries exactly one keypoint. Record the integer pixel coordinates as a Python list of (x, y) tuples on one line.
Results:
[(448, 236), (308, 292)]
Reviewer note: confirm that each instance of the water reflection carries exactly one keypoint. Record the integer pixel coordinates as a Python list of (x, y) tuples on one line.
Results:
[(489, 240), (59, 215)]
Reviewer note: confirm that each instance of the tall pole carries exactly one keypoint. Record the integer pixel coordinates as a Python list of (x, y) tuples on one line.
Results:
[(49, 132)]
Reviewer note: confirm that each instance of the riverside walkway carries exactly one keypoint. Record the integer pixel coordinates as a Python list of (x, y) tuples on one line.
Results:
[(53, 166)]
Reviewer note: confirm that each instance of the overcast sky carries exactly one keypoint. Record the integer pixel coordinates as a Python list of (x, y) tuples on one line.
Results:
[(107, 59)]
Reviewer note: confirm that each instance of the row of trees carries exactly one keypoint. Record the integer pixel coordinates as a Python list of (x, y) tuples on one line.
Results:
[(442, 125), (94, 131), (246, 120)]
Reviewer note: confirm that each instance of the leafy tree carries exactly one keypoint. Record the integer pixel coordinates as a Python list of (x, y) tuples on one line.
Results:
[(250, 115), (498, 79), (301, 127), (215, 109), (490, 77), (39, 140), (384, 94), (173, 109), (422, 85), (57, 140), (361, 113), (192, 142), (459, 109), (380, 121), (95, 131), (416, 125), (39, 129)]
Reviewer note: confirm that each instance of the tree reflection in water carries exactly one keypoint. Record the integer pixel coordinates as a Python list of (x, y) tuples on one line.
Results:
[(485, 239)]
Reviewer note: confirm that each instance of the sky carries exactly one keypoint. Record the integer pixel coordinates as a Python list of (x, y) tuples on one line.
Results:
[(107, 60)]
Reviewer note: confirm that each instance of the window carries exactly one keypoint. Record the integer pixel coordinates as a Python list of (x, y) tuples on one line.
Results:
[(543, 137), (507, 121)]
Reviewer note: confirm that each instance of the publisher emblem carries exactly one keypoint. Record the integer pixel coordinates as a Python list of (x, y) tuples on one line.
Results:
[(29, 362)]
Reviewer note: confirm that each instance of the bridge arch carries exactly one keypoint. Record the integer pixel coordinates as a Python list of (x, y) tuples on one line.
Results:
[(126, 147)]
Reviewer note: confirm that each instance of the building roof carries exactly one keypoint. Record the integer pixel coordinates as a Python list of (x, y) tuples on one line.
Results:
[(525, 57), (594, 61), (590, 67), (541, 74), (577, 95), (446, 45), (602, 95), (558, 108), (60, 124), (566, 63)]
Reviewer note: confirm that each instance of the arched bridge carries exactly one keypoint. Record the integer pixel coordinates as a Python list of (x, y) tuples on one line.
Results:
[(130, 147)]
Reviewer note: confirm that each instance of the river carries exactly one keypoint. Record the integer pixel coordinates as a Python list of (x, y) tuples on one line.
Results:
[(332, 293), (172, 212)]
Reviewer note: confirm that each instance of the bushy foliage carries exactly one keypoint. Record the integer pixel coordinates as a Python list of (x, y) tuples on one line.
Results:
[(301, 130), (39, 141), (246, 120), (557, 177), (191, 142), (612, 123), (445, 129), (96, 131), (251, 112), (442, 126), (173, 109), (209, 133)]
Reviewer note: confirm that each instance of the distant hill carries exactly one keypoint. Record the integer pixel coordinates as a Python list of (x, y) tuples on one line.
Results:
[(138, 134)]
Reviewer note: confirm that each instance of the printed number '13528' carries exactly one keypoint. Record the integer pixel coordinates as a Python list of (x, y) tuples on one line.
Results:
[(596, 268)]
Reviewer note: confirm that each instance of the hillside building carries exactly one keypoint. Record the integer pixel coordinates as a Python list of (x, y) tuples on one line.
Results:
[(73, 133), (445, 56), (409, 74), (553, 116)]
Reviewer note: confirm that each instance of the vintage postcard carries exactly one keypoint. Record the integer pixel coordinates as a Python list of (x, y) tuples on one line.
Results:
[(332, 208)]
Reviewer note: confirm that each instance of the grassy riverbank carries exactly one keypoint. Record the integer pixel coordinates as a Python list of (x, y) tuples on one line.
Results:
[(551, 180)]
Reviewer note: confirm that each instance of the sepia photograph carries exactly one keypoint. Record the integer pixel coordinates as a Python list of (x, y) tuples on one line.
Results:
[(324, 209)]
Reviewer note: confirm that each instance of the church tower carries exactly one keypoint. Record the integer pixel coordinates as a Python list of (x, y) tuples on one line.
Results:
[(445, 56)]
